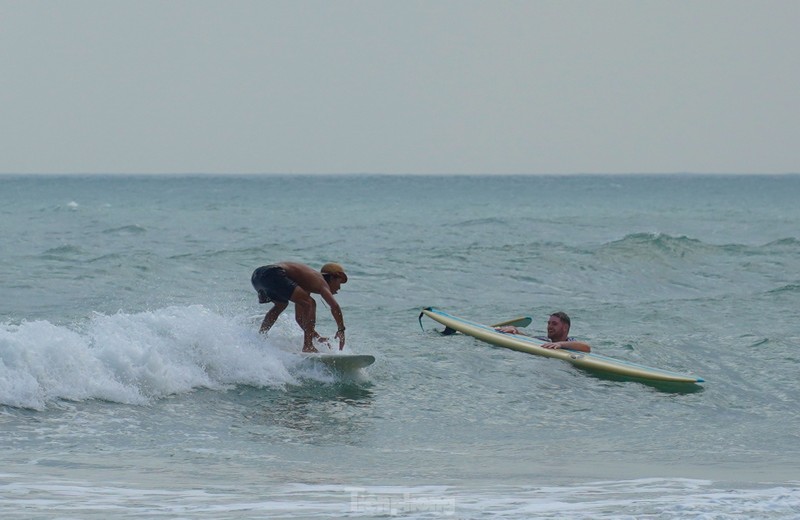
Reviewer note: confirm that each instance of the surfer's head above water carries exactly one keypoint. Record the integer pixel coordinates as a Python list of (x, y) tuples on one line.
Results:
[(558, 326), (562, 316)]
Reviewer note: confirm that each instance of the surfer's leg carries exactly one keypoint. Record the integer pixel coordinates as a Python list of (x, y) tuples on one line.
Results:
[(310, 320), (272, 316), (305, 313)]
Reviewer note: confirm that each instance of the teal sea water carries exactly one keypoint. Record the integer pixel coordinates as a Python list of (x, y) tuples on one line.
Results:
[(134, 384)]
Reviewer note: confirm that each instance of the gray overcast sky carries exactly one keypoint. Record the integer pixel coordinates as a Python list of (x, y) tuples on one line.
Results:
[(424, 86)]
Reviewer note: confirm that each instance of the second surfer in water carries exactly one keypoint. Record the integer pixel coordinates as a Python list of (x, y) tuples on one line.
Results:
[(557, 334)]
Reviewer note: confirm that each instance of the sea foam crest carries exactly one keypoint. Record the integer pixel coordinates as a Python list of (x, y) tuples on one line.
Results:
[(136, 358)]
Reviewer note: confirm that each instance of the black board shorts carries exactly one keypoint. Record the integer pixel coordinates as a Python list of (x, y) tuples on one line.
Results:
[(272, 284)]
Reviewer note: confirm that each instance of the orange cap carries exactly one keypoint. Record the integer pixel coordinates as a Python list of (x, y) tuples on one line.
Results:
[(334, 268)]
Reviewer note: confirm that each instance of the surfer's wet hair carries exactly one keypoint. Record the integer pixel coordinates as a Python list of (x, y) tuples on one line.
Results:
[(563, 317)]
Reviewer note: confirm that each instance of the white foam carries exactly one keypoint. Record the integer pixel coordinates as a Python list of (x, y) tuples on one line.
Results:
[(644, 498), (135, 358)]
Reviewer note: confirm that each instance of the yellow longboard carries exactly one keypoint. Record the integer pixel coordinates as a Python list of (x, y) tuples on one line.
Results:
[(529, 345)]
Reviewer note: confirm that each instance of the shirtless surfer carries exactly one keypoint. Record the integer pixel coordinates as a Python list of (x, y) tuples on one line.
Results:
[(286, 282)]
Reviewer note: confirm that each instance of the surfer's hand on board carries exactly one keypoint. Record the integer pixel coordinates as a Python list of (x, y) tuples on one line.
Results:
[(508, 329), (340, 337), (569, 345)]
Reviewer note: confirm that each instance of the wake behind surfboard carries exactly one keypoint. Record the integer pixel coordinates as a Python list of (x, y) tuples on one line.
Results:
[(342, 362), (529, 345)]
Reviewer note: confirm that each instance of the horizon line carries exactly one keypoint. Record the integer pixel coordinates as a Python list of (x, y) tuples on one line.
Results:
[(407, 174)]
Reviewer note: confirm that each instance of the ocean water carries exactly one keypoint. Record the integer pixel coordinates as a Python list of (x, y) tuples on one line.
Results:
[(134, 384)]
